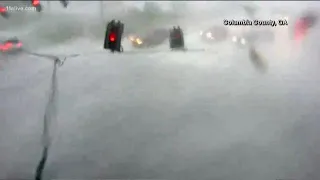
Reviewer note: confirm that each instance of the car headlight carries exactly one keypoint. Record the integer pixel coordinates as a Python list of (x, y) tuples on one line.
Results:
[(234, 39), (209, 35), (243, 41), (132, 38), (139, 41)]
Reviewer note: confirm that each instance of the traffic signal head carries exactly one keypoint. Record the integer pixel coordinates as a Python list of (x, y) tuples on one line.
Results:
[(64, 3), (3, 9), (37, 5), (176, 38), (4, 12), (35, 2), (113, 35)]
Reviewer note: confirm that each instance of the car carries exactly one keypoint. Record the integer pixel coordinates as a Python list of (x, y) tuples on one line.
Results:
[(152, 39), (214, 34), (239, 40), (12, 45), (254, 36)]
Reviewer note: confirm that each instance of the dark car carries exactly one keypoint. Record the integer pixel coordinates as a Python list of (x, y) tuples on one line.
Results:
[(11, 45), (154, 38), (214, 34)]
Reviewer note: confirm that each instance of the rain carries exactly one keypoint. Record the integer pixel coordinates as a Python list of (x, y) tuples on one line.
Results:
[(228, 110)]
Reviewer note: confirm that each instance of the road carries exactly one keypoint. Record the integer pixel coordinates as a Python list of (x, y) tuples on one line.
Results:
[(198, 115)]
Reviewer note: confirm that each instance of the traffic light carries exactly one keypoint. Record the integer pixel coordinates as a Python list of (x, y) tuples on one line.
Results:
[(37, 5), (64, 3), (3, 11), (113, 35), (176, 38)]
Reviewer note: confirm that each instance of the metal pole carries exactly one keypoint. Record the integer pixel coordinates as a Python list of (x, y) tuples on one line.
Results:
[(48, 3), (101, 10)]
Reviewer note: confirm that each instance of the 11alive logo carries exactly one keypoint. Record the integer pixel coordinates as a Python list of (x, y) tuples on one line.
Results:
[(21, 8)]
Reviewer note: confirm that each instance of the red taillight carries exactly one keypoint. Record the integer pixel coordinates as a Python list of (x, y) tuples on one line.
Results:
[(3, 9), (112, 37), (4, 47), (35, 2), (19, 45), (8, 45)]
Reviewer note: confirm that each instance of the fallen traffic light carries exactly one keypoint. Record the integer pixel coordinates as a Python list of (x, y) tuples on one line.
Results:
[(37, 5), (176, 38), (113, 35), (64, 3), (4, 12)]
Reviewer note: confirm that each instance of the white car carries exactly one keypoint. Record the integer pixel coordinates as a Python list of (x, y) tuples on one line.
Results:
[(254, 36), (214, 34)]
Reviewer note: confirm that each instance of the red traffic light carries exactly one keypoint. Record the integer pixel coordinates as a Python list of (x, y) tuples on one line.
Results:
[(35, 3), (112, 37), (3, 9)]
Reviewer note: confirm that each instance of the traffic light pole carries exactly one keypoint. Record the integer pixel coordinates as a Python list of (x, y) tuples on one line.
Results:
[(48, 3), (101, 11)]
